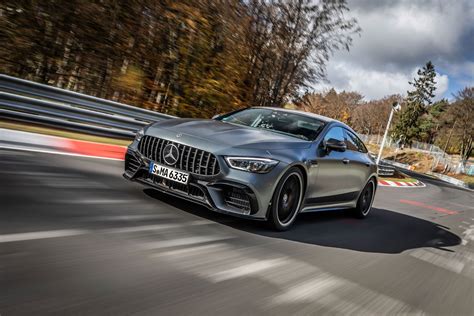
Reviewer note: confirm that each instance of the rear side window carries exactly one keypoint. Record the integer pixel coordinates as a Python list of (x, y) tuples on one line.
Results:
[(354, 143)]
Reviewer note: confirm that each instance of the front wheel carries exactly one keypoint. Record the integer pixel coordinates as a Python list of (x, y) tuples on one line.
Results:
[(286, 201), (364, 203)]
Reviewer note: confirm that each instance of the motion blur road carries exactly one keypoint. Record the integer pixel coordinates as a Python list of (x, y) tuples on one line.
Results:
[(75, 237)]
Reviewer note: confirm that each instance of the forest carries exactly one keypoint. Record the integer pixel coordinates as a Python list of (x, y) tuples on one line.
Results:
[(190, 58)]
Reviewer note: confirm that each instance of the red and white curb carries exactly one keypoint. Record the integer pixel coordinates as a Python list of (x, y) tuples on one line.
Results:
[(11, 139), (400, 184)]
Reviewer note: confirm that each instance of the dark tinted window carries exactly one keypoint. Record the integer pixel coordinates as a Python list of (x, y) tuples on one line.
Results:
[(351, 143), (288, 123), (336, 133), (354, 143)]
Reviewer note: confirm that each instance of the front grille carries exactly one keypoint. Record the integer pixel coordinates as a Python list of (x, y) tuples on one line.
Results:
[(190, 159), (238, 198), (131, 163)]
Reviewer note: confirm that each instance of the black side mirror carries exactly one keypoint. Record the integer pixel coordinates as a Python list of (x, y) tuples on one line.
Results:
[(216, 116), (334, 144)]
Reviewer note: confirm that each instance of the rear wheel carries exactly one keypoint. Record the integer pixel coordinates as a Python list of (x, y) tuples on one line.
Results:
[(364, 203), (286, 201)]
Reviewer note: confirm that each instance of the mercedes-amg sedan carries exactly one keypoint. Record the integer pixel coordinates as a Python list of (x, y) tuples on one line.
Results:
[(259, 163)]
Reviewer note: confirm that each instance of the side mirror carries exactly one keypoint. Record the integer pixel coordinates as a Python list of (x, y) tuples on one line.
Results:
[(216, 116), (336, 145)]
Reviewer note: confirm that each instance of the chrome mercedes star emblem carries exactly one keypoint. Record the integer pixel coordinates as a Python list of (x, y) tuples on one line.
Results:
[(170, 154)]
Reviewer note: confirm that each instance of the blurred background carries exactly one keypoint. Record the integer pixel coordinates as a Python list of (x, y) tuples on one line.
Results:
[(186, 58)]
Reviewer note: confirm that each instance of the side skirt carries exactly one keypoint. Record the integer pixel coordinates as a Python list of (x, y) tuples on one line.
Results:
[(331, 203)]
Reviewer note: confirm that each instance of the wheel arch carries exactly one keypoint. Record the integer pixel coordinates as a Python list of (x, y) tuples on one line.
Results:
[(373, 178), (305, 176), (305, 182)]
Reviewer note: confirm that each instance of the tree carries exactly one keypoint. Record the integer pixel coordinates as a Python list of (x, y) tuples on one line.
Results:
[(432, 121), (408, 127), (461, 114), (290, 43), (371, 117), (188, 58), (339, 106)]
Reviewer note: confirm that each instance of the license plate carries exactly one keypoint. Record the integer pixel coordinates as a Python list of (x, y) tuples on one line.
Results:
[(169, 173)]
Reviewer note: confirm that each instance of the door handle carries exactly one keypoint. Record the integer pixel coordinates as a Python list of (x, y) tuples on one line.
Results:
[(346, 161)]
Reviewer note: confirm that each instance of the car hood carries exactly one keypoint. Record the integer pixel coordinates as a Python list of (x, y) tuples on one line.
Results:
[(219, 135)]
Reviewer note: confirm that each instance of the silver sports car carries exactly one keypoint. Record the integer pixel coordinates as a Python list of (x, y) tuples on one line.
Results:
[(259, 163)]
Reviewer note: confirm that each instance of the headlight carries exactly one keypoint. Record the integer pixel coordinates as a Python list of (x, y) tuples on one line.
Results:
[(251, 164), (139, 135)]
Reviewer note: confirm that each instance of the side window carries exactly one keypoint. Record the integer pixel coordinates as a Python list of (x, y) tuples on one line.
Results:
[(361, 145), (336, 133), (350, 142), (354, 143)]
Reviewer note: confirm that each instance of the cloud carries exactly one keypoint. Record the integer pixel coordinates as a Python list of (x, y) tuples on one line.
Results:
[(375, 84), (397, 38)]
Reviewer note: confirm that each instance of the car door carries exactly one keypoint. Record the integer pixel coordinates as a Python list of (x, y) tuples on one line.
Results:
[(331, 185), (359, 162)]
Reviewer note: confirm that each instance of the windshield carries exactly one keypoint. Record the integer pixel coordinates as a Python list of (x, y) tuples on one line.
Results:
[(292, 124)]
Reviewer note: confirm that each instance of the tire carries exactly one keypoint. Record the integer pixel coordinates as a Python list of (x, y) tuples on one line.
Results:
[(286, 200), (366, 198)]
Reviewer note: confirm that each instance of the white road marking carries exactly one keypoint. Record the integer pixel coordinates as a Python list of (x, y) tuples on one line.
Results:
[(37, 173), (28, 138), (299, 284), (71, 183), (137, 217), (201, 250), (185, 241), (99, 201), (247, 269), (337, 295), (134, 229), (57, 180), (42, 235), (468, 233), (309, 290)]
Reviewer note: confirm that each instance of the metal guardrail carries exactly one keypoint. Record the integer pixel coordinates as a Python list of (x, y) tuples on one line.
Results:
[(28, 101)]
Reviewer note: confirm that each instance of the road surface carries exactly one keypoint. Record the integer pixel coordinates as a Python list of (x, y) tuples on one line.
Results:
[(76, 238)]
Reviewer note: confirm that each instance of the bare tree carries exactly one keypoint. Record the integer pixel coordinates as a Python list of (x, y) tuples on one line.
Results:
[(462, 113), (339, 106)]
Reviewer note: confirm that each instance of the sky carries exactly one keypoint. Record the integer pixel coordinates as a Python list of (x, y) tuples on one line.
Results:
[(399, 37)]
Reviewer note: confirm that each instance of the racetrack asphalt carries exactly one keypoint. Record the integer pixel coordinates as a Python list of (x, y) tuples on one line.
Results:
[(77, 238)]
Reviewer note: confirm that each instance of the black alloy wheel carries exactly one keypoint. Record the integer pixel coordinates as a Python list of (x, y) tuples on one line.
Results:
[(286, 200), (364, 204)]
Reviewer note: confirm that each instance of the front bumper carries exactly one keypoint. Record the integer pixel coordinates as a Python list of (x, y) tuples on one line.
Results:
[(233, 192)]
